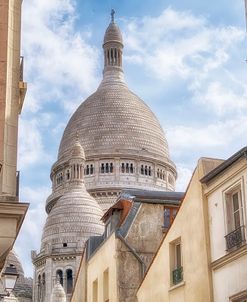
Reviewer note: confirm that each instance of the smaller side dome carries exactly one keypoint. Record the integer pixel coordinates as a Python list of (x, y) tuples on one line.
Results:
[(58, 293), (77, 150)]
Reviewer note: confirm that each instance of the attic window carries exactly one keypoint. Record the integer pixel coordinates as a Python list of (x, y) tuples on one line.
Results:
[(65, 244)]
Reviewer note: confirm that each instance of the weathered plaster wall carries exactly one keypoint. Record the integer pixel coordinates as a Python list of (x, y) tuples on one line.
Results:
[(189, 225)]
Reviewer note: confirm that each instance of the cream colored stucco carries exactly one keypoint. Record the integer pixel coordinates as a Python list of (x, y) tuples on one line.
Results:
[(11, 96), (190, 226), (226, 265), (104, 259)]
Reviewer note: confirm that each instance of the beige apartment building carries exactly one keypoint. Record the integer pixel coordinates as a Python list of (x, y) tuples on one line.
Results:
[(12, 93), (180, 271), (203, 257), (226, 195)]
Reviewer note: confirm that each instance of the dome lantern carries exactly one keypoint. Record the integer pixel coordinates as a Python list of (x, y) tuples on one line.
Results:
[(113, 46)]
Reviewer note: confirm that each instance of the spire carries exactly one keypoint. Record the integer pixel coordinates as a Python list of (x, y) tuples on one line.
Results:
[(113, 46), (112, 15)]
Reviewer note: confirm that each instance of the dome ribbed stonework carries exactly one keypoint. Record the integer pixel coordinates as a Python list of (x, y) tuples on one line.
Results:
[(73, 219), (113, 34), (114, 120)]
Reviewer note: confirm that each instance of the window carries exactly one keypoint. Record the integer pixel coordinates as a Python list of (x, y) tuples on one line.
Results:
[(95, 291), (91, 169), (43, 286), (234, 218), (68, 174), (106, 285), (169, 216), (65, 244), (39, 288), (142, 169), (176, 262), (60, 276), (69, 280)]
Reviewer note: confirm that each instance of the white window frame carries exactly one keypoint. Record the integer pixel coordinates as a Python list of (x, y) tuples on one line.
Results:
[(230, 223)]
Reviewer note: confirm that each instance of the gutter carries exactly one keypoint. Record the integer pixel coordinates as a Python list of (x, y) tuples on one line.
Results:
[(143, 266), (227, 163)]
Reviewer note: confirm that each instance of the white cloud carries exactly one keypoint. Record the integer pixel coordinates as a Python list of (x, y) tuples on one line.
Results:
[(184, 176), (58, 58), (30, 236), (179, 45), (31, 148), (209, 139)]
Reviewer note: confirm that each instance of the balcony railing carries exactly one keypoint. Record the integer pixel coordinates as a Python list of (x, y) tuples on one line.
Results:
[(177, 275), (235, 239)]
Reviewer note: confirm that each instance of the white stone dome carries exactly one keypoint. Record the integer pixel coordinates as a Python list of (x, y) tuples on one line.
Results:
[(73, 219), (114, 120)]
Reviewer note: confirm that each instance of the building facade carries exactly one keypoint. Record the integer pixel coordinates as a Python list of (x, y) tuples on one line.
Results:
[(181, 271), (203, 257), (226, 195), (12, 93), (134, 227), (125, 147)]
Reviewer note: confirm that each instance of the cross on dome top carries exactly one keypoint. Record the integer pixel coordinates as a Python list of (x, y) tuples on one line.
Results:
[(112, 15)]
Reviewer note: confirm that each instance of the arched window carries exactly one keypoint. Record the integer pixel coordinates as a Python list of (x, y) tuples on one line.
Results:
[(68, 174), (127, 168), (43, 286), (146, 170), (106, 168), (91, 169), (39, 288), (87, 170), (69, 281), (142, 169), (158, 173), (131, 168), (60, 276), (149, 171), (108, 56), (111, 167), (102, 168), (122, 168)]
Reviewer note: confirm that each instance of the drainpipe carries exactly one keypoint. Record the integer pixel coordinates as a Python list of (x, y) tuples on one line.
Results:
[(143, 266)]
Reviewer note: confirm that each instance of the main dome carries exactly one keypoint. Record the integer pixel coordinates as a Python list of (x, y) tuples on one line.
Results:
[(114, 120), (124, 143)]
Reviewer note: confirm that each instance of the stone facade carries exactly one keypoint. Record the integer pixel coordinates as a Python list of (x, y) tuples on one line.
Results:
[(133, 231), (125, 147), (12, 92)]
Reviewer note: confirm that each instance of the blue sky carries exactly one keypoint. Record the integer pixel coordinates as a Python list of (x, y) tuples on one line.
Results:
[(186, 59)]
